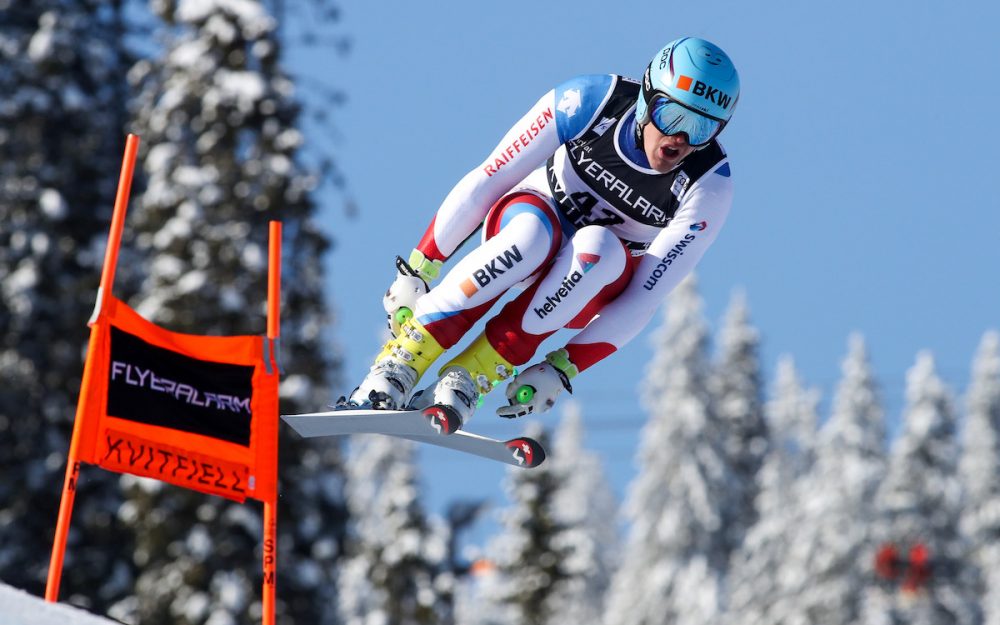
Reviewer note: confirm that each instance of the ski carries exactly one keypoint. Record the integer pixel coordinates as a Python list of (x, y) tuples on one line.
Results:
[(519, 452), (428, 421), (430, 425)]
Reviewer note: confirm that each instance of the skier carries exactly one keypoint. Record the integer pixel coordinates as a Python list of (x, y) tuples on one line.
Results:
[(600, 199)]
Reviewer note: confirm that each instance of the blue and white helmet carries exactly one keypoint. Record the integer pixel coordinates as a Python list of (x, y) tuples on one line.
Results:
[(694, 73)]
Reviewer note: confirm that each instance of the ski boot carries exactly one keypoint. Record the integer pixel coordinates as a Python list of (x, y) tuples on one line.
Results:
[(397, 368), (453, 399), (413, 280), (449, 402)]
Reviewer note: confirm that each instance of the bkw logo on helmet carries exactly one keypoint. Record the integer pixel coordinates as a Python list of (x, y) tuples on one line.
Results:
[(712, 94)]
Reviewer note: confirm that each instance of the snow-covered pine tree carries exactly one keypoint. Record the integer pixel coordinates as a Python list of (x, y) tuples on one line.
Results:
[(828, 565), (397, 566), (756, 597), (676, 551), (218, 120), (529, 560), (737, 392), (61, 137), (586, 508), (562, 513), (979, 469), (917, 505)]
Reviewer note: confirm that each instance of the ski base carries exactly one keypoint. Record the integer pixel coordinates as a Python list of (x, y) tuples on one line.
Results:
[(435, 425)]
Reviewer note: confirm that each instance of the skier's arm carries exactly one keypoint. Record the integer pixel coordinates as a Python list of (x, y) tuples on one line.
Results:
[(672, 255), (528, 143)]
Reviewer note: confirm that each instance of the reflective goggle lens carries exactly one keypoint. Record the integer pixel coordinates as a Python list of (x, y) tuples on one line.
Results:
[(672, 118)]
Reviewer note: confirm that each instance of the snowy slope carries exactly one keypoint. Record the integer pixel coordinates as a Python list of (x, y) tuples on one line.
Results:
[(19, 608)]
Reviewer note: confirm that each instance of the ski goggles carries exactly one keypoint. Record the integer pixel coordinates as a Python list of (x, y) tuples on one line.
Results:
[(671, 117)]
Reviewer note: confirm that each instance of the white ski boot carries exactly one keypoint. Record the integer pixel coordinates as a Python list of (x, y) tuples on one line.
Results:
[(387, 385), (455, 396), (397, 368), (450, 402)]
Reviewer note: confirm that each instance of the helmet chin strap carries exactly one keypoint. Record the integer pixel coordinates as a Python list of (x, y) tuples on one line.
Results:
[(638, 135)]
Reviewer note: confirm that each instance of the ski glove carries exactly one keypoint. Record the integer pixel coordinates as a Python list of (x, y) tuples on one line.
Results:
[(534, 390)]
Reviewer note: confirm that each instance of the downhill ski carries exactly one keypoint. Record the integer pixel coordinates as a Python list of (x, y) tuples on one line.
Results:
[(435, 425)]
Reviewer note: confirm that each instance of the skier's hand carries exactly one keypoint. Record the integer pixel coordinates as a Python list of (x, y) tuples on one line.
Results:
[(534, 390), (401, 298)]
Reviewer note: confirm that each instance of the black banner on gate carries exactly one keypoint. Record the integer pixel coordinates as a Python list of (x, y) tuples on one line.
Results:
[(157, 386)]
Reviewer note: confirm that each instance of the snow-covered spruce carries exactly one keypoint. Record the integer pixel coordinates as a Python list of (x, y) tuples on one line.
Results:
[(676, 552), (918, 503), (755, 593), (980, 468), (61, 116)]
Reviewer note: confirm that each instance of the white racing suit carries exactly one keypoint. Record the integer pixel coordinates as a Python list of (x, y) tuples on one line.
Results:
[(570, 207)]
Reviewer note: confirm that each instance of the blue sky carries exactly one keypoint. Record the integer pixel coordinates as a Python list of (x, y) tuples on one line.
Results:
[(862, 152)]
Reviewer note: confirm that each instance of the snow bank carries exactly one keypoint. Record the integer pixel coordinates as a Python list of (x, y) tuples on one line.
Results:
[(19, 608)]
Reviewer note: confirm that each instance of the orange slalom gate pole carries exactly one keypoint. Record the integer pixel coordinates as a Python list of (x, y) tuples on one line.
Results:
[(103, 292), (273, 333), (270, 560), (274, 280), (117, 223)]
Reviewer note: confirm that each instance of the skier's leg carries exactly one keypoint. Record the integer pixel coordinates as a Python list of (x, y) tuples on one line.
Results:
[(522, 233), (589, 272), (586, 274)]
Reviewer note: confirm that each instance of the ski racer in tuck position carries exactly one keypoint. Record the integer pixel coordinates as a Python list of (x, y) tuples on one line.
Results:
[(598, 201)]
